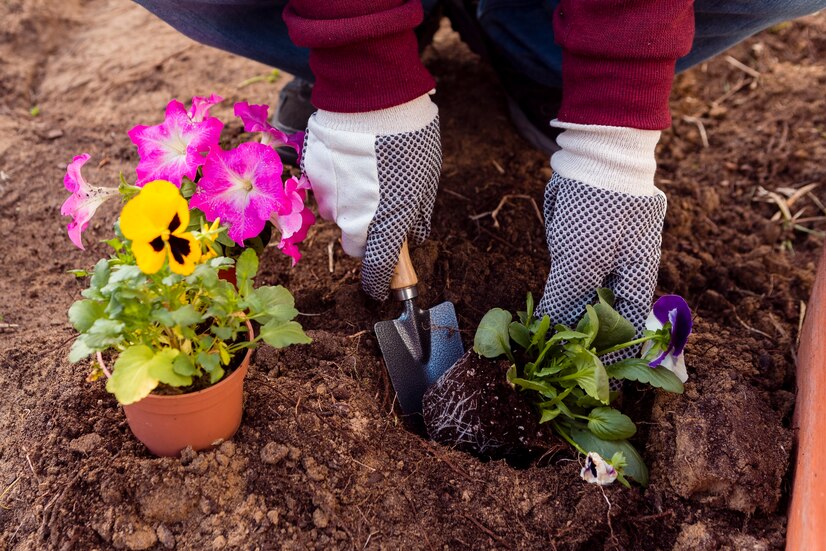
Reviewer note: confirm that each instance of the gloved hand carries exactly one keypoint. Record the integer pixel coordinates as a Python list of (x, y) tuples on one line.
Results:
[(375, 175), (603, 221)]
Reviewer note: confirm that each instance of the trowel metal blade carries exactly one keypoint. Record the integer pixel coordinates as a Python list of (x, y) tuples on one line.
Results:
[(418, 347)]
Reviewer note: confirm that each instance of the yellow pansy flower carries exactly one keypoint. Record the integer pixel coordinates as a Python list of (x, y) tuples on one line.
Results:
[(154, 221)]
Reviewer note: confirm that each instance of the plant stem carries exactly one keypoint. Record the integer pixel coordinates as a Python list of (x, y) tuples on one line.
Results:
[(567, 438), (560, 397), (623, 345)]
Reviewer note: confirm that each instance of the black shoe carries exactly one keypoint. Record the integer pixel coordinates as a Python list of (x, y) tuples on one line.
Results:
[(293, 112)]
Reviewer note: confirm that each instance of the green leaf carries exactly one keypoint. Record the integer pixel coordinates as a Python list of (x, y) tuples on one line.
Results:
[(609, 424), (210, 362), (78, 273), (541, 332), (492, 338), (83, 314), (100, 276), (549, 415), (527, 316), (613, 328), (183, 365), (590, 375), (588, 402), (553, 369), (120, 274), (104, 332), (520, 334), (116, 244), (589, 324), (79, 350), (131, 380), (215, 375), (245, 269), (274, 301), (186, 315), (635, 369), (635, 468), (280, 334), (545, 389), (162, 316), (162, 368), (567, 335), (223, 333)]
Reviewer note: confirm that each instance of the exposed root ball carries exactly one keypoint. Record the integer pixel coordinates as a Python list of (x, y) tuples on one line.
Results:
[(472, 407)]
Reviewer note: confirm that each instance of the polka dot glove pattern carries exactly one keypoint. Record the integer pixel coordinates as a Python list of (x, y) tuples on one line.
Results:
[(600, 238), (409, 166), (378, 188)]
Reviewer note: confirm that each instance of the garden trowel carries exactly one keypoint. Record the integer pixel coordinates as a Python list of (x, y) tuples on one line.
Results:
[(419, 345)]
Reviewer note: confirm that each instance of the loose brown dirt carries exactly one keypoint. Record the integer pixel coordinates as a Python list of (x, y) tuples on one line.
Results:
[(321, 460)]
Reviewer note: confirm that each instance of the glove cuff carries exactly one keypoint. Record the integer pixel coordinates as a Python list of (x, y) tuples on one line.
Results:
[(607, 157), (407, 117)]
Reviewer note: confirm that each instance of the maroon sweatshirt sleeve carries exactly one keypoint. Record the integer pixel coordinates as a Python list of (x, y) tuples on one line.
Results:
[(618, 59), (363, 53)]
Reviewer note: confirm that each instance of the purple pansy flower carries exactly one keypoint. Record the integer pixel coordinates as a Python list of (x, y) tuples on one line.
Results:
[(83, 201), (673, 309), (256, 119), (597, 470), (176, 147), (294, 218), (242, 187)]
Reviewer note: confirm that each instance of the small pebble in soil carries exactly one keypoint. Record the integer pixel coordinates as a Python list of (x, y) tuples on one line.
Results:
[(86, 443), (219, 542), (320, 518), (273, 453), (273, 516), (314, 471), (165, 536)]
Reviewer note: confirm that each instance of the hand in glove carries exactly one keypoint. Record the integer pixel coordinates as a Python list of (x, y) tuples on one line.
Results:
[(603, 221), (375, 175)]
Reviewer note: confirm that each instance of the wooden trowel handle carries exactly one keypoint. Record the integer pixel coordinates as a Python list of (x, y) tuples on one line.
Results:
[(405, 275)]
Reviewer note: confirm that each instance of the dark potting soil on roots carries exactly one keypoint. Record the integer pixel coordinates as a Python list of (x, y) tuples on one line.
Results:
[(322, 460)]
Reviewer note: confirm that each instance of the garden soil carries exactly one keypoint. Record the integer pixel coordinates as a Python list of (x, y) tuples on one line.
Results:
[(321, 460)]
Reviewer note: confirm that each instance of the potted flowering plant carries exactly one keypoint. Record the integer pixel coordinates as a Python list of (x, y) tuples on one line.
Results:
[(559, 377), (179, 336)]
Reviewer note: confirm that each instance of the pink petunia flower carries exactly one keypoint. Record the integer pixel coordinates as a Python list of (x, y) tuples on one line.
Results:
[(176, 147), (256, 119), (242, 187), (83, 201), (200, 107), (295, 218)]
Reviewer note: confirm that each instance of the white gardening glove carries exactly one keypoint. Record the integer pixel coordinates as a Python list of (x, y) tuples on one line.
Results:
[(375, 175), (603, 221)]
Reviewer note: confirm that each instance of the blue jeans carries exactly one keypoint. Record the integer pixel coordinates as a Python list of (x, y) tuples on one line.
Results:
[(521, 30)]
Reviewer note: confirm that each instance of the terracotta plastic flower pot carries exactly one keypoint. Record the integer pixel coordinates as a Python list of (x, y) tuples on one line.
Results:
[(807, 512), (168, 424)]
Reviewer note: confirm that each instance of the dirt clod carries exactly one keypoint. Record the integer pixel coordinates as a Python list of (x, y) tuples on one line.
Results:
[(86, 443), (273, 453)]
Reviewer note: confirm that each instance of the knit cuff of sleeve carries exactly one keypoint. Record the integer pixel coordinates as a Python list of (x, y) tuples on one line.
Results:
[(407, 117), (364, 55), (607, 157), (632, 93)]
